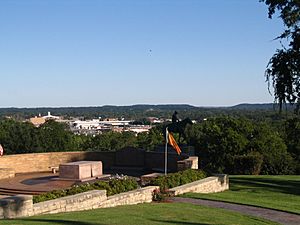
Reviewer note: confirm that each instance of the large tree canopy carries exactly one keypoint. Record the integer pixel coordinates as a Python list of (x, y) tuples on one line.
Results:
[(283, 70)]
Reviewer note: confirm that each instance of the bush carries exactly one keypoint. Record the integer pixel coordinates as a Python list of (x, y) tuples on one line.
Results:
[(279, 163), (176, 179), (113, 186), (249, 164), (222, 142)]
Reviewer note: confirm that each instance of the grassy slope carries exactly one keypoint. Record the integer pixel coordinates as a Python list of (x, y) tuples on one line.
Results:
[(276, 192), (162, 213)]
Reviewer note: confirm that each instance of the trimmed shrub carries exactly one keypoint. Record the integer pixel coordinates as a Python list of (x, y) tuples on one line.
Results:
[(176, 179), (249, 164), (113, 186)]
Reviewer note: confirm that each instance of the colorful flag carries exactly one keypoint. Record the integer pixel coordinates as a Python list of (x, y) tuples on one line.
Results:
[(173, 143), (1, 150)]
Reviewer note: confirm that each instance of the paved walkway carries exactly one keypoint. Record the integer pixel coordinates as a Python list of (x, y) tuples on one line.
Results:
[(269, 214), (32, 183)]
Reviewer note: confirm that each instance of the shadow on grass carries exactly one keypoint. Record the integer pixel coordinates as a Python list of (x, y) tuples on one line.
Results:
[(71, 222), (283, 186), (61, 222), (178, 222)]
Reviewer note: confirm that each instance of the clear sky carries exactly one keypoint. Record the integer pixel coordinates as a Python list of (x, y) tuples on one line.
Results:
[(125, 52)]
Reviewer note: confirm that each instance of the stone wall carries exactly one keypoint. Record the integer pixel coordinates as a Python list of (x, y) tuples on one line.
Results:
[(156, 161), (16, 206), (40, 162), (6, 173), (22, 206), (189, 163), (78, 202), (212, 184)]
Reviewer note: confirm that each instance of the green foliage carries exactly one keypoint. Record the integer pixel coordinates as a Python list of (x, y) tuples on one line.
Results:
[(111, 141), (283, 69), (114, 186), (19, 137), (248, 164), (176, 179), (292, 139), (219, 140), (55, 136), (149, 140)]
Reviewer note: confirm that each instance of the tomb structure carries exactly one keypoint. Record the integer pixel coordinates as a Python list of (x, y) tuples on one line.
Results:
[(80, 170)]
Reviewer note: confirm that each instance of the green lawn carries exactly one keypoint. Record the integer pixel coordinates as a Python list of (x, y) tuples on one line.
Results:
[(154, 213), (276, 192)]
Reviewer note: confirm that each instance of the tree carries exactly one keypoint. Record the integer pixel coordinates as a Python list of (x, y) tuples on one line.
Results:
[(223, 143), (56, 137), (292, 139), (111, 141), (283, 70)]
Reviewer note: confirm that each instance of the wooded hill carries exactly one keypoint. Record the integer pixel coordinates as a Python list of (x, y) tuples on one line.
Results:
[(142, 111)]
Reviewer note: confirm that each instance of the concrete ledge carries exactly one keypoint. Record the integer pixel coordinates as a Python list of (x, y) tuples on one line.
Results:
[(22, 205), (217, 183), (7, 173)]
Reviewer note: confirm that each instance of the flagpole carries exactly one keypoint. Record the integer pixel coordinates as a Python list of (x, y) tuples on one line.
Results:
[(166, 152)]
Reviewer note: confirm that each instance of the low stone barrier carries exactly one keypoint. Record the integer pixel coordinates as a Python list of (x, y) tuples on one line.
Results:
[(22, 205), (142, 195), (7, 173), (212, 184), (16, 206)]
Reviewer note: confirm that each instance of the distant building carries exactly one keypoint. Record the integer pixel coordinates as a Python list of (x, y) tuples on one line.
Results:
[(139, 129), (87, 125), (155, 120), (37, 121), (50, 117)]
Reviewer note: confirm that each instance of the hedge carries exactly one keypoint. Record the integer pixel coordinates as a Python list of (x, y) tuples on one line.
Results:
[(176, 179), (113, 186)]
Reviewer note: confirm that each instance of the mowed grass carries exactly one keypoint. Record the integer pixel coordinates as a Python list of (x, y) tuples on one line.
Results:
[(275, 192), (152, 213)]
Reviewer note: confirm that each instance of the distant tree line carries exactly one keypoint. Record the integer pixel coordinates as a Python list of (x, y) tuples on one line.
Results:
[(142, 112), (22, 137)]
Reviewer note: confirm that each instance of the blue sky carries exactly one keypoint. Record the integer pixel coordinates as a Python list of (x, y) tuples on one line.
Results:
[(124, 52)]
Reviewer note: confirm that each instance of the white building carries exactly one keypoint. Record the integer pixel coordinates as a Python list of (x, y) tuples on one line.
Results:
[(49, 117)]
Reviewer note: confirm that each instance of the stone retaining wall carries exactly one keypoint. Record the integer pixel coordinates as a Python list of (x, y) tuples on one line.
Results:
[(22, 206), (212, 184), (40, 162)]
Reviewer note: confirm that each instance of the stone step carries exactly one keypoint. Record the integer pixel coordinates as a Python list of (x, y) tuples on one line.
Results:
[(6, 191)]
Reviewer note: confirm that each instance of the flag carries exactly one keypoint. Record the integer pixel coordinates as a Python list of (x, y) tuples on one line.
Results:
[(173, 143), (1, 150)]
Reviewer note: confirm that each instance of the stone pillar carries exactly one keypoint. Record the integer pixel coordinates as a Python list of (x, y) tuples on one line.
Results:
[(189, 163), (16, 206)]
